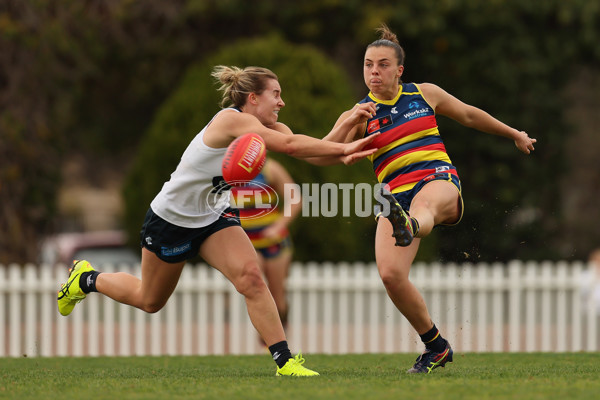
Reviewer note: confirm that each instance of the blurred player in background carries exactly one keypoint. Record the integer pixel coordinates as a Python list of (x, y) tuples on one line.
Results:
[(266, 222), (419, 177)]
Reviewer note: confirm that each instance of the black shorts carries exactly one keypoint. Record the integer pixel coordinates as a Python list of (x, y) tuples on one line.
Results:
[(172, 243)]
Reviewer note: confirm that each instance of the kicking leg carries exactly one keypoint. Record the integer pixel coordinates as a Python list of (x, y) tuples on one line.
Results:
[(150, 293)]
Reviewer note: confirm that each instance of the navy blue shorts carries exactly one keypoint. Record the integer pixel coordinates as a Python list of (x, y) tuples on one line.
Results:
[(172, 243), (405, 198)]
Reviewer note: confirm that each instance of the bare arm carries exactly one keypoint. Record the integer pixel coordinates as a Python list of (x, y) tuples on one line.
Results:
[(228, 125), (347, 159), (445, 104)]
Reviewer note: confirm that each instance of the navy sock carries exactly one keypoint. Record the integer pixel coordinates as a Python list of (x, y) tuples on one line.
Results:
[(87, 281), (281, 353), (415, 225), (433, 340)]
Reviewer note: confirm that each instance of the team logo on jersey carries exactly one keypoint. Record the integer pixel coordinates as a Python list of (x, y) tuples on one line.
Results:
[(379, 123), (219, 184)]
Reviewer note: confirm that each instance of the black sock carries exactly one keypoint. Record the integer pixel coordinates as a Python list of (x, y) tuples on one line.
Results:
[(281, 353), (433, 340), (87, 281)]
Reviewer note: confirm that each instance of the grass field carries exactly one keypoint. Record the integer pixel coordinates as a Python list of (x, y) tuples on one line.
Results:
[(371, 376)]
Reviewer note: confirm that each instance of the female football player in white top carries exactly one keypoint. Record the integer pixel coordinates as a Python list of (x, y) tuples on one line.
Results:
[(187, 219)]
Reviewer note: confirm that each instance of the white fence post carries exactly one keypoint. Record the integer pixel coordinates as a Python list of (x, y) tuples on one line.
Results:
[(515, 288), (330, 289), (466, 285), (373, 284), (576, 307), (590, 287), (498, 285), (312, 308), (31, 311), (344, 308), (451, 309), (561, 309), (15, 310), (547, 305), (531, 306), (483, 285)]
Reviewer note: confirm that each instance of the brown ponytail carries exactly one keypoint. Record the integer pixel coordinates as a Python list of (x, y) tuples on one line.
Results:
[(389, 39)]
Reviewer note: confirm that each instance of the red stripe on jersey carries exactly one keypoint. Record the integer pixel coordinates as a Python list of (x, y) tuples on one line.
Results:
[(411, 177), (407, 128)]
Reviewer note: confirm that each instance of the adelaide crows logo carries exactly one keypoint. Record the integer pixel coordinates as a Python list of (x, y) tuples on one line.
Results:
[(379, 123)]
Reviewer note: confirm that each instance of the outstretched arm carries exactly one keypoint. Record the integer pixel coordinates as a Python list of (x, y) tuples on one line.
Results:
[(445, 104), (228, 125), (357, 150)]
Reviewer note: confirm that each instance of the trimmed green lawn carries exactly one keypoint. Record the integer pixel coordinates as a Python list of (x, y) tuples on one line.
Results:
[(344, 377)]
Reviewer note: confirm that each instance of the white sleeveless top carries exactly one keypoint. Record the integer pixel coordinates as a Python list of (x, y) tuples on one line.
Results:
[(189, 199)]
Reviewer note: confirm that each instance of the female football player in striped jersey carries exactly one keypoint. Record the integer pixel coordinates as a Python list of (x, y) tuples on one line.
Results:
[(421, 186)]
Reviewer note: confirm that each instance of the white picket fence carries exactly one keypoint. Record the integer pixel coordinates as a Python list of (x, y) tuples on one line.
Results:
[(334, 308)]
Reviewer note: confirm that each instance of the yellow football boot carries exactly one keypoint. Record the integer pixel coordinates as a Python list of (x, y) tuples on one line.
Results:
[(294, 367), (70, 293)]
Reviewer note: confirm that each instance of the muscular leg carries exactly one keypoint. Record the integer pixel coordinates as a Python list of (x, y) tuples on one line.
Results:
[(230, 251), (149, 294), (394, 265)]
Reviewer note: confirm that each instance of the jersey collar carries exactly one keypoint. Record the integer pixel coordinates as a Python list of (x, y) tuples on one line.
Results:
[(387, 102)]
